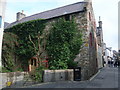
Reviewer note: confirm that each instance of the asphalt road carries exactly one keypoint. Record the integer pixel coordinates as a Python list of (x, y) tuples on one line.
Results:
[(106, 78)]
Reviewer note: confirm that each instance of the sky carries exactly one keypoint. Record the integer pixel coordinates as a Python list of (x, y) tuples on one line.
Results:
[(106, 9)]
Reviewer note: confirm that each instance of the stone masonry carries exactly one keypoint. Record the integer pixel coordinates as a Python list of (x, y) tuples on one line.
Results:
[(87, 56)]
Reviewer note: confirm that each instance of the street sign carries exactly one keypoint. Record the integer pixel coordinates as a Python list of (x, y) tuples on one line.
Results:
[(86, 44)]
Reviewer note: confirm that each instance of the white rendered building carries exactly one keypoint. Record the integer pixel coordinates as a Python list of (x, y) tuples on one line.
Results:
[(2, 15)]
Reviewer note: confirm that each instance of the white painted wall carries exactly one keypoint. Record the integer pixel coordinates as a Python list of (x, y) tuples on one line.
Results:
[(106, 53), (2, 13), (2, 10), (99, 57)]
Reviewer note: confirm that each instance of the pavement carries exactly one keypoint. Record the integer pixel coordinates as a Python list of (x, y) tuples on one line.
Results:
[(107, 77)]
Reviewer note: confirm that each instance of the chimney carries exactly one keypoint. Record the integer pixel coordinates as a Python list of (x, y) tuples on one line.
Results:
[(20, 15), (100, 23)]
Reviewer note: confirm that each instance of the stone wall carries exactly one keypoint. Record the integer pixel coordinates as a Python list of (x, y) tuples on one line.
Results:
[(87, 58), (91, 22), (13, 77), (18, 79), (83, 57), (58, 75), (87, 55)]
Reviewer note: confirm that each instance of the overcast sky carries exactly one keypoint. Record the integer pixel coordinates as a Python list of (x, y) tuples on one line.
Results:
[(107, 9)]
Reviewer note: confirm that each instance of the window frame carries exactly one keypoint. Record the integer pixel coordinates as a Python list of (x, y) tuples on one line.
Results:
[(67, 17), (91, 39), (0, 21), (89, 16)]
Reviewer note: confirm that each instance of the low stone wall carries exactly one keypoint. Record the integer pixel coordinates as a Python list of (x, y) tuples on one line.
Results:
[(12, 77), (18, 78), (58, 75)]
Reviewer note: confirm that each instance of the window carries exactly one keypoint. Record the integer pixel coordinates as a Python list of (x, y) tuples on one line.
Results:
[(89, 16), (67, 17), (32, 61), (35, 62), (90, 39), (0, 21)]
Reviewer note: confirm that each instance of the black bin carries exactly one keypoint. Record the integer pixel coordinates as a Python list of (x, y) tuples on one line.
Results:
[(77, 74)]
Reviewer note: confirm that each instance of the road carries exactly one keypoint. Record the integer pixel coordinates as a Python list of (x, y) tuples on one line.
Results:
[(106, 78)]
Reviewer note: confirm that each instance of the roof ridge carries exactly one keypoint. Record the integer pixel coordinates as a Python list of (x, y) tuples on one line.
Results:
[(82, 3), (54, 9)]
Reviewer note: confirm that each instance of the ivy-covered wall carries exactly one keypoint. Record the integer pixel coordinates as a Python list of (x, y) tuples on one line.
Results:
[(9, 58), (62, 42), (24, 49), (62, 46)]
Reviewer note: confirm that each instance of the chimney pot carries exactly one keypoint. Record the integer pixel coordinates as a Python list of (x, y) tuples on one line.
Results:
[(20, 15)]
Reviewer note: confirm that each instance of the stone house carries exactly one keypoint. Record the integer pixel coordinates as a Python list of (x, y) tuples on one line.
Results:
[(84, 16)]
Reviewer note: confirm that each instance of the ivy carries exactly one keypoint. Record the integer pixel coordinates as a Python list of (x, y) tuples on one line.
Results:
[(25, 50), (8, 51), (63, 44), (37, 75)]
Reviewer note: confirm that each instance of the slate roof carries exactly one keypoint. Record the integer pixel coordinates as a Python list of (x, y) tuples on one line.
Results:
[(72, 8)]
